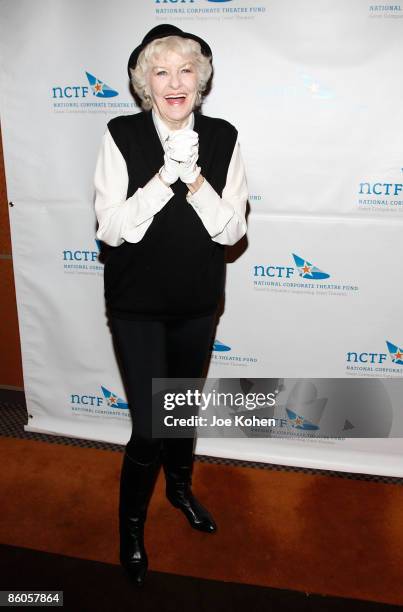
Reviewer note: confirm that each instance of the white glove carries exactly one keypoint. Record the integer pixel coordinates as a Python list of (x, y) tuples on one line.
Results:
[(189, 171), (182, 145), (169, 172)]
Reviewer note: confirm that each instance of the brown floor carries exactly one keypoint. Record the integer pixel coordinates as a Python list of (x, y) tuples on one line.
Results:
[(290, 530)]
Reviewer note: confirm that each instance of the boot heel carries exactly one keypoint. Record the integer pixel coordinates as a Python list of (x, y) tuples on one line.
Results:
[(177, 460), (179, 495)]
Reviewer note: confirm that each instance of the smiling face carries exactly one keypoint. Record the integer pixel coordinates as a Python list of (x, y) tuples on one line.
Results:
[(172, 83)]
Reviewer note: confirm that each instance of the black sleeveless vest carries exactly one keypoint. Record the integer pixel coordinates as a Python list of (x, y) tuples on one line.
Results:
[(176, 270)]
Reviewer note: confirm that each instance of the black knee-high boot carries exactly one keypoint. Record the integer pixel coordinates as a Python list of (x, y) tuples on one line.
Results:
[(177, 461), (136, 487)]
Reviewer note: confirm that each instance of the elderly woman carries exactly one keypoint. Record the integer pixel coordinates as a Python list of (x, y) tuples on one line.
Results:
[(170, 194)]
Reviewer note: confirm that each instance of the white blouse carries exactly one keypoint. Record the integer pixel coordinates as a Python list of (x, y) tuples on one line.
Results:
[(122, 219)]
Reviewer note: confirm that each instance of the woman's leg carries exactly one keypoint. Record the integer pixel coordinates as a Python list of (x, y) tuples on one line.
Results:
[(141, 350), (188, 346)]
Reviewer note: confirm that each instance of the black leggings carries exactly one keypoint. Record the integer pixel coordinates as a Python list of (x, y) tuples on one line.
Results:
[(157, 349)]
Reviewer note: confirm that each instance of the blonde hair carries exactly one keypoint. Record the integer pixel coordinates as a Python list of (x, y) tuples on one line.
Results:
[(184, 46)]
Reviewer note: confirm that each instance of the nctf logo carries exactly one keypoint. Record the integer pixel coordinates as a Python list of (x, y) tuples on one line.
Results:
[(375, 362), (111, 399), (304, 276), (388, 189), (305, 269), (308, 270), (222, 353), (304, 407), (83, 261), (396, 353), (98, 88), (80, 255), (219, 346), (386, 194), (300, 422)]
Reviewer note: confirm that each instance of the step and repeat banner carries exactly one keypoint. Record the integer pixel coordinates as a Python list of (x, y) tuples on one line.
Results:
[(316, 290)]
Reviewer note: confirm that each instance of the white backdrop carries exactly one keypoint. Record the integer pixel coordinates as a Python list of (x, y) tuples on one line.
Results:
[(314, 90)]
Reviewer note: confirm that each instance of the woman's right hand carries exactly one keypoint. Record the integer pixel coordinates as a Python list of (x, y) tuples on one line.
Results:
[(180, 148), (182, 145)]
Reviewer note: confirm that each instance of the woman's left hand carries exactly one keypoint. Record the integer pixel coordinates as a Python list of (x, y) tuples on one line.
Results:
[(189, 171)]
